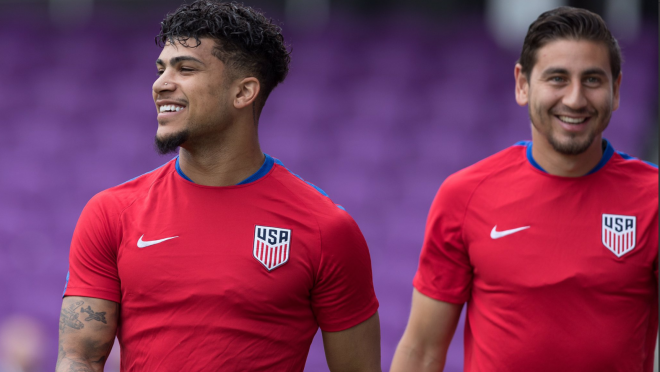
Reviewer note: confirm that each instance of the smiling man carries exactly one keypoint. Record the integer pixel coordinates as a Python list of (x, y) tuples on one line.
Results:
[(552, 243), (221, 259)]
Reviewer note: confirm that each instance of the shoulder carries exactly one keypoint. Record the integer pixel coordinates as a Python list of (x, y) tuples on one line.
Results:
[(460, 185), (332, 218), (635, 167), (304, 192), (624, 172), (118, 198)]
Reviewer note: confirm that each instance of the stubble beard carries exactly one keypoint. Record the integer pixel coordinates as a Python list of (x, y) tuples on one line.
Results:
[(574, 145), (169, 143)]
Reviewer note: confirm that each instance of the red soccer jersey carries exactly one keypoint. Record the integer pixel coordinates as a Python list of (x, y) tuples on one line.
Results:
[(232, 278), (559, 274)]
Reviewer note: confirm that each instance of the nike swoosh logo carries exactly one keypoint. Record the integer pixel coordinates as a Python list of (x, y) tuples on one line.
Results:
[(145, 243), (494, 234)]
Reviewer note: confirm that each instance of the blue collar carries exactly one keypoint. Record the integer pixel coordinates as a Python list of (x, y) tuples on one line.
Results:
[(607, 155), (265, 168)]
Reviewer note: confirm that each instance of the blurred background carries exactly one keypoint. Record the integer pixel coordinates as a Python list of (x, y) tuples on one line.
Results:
[(384, 100)]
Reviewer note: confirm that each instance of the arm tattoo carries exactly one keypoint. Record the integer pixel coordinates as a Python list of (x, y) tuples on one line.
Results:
[(100, 316), (69, 317), (79, 367)]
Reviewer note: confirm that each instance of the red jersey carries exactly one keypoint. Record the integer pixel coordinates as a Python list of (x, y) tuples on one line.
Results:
[(559, 274), (234, 278)]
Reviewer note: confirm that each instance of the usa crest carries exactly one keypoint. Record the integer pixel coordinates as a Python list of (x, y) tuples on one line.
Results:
[(271, 246), (619, 233)]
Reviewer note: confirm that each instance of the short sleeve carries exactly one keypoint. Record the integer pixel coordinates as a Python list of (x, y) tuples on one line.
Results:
[(343, 295), (444, 271), (93, 253)]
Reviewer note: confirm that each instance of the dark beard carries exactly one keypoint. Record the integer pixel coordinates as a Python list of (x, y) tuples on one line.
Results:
[(572, 148), (170, 143)]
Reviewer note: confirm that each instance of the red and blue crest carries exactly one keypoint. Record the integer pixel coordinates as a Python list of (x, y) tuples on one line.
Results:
[(271, 246), (619, 233)]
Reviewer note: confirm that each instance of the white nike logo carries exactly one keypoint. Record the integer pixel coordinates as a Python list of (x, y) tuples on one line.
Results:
[(494, 234), (143, 243)]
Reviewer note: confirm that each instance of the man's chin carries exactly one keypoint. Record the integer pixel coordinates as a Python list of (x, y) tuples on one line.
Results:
[(168, 143), (571, 146)]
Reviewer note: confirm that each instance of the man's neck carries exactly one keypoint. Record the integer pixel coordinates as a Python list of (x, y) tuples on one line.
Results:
[(563, 165), (222, 163)]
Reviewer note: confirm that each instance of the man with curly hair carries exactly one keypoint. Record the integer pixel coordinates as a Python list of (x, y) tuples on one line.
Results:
[(221, 259)]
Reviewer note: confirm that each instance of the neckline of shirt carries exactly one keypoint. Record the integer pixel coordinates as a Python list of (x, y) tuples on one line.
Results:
[(608, 151), (263, 170)]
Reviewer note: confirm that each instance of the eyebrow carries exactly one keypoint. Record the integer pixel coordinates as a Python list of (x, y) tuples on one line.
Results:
[(555, 70), (179, 59), (595, 71), (563, 71)]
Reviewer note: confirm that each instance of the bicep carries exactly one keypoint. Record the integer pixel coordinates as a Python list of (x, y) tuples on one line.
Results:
[(430, 328), (354, 349), (87, 330)]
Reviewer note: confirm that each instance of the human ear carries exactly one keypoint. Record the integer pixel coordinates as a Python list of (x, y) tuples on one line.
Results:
[(522, 86), (615, 92), (248, 90)]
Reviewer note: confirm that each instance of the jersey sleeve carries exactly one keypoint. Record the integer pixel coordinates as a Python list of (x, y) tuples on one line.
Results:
[(444, 271), (343, 295), (93, 253)]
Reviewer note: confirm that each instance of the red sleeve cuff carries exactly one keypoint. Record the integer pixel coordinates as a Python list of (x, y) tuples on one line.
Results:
[(357, 318), (103, 294), (440, 296)]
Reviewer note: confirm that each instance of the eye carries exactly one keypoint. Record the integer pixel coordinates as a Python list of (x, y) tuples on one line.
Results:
[(592, 80), (159, 72), (557, 79)]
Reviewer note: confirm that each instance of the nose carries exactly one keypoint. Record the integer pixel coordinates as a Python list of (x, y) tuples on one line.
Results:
[(162, 84), (574, 97)]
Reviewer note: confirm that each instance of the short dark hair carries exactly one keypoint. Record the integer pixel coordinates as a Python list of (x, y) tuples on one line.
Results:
[(246, 41), (568, 23)]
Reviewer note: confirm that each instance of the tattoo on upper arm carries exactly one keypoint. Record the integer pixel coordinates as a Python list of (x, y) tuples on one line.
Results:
[(69, 317), (100, 316), (91, 351)]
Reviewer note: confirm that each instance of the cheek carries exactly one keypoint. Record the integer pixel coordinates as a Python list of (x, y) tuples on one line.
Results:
[(603, 101)]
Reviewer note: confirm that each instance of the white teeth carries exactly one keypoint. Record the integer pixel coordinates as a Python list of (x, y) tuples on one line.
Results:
[(570, 120), (170, 108)]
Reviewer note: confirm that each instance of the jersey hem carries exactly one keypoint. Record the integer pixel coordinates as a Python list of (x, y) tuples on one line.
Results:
[(94, 293), (358, 319)]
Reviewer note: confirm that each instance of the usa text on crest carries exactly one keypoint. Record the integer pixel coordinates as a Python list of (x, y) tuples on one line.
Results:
[(271, 246), (619, 233)]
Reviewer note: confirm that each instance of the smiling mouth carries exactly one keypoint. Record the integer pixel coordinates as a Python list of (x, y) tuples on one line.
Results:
[(570, 120), (170, 108)]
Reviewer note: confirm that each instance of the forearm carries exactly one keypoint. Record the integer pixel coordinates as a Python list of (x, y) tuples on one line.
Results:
[(410, 357), (68, 363), (82, 355)]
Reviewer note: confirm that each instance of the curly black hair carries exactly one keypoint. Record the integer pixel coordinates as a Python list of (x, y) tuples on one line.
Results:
[(246, 41)]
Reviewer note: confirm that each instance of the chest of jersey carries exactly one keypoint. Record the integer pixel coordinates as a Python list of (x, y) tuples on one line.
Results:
[(230, 253), (561, 234)]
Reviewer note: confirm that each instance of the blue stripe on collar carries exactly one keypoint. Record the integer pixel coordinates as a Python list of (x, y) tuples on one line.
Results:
[(530, 158), (265, 168), (607, 155), (178, 170)]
